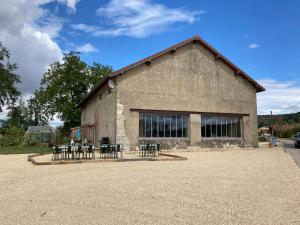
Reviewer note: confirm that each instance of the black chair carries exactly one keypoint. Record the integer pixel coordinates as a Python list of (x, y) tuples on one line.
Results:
[(120, 150), (78, 152), (104, 141), (90, 151), (56, 153), (69, 151), (104, 151)]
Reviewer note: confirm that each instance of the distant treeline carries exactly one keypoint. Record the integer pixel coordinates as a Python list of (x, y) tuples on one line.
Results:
[(268, 120)]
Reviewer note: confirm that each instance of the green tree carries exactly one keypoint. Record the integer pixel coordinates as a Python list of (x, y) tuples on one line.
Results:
[(35, 112), (16, 115), (15, 135), (65, 84), (8, 79)]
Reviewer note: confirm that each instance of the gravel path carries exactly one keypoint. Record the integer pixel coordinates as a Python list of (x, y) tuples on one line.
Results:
[(294, 152), (232, 187)]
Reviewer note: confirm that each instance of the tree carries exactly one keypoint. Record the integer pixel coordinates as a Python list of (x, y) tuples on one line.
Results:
[(64, 86), (8, 79), (16, 115), (35, 113)]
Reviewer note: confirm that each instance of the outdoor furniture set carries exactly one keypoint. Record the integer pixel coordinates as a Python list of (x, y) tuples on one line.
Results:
[(73, 152), (149, 150)]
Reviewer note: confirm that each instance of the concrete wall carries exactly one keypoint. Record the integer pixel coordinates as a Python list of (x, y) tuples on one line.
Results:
[(102, 113), (189, 80)]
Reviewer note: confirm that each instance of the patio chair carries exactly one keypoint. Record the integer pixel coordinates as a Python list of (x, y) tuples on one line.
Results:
[(78, 152), (158, 150), (104, 141), (56, 153), (69, 151), (120, 150), (90, 151), (104, 151)]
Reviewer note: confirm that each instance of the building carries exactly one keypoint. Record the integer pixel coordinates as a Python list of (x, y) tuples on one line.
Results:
[(188, 94), (38, 134)]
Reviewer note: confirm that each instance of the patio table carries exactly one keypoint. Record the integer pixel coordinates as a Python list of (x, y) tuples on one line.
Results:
[(111, 150), (149, 150)]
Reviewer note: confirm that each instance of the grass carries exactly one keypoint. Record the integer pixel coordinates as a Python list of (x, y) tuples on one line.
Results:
[(24, 149)]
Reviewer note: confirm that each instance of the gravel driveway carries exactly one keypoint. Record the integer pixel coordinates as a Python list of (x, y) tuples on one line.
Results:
[(289, 146), (231, 187)]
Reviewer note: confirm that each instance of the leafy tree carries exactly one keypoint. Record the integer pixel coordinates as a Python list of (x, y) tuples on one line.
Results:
[(35, 114), (65, 84), (16, 115), (15, 135), (8, 79)]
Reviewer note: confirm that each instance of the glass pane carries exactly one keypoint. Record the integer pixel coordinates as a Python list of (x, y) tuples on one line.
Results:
[(173, 125), (239, 128), (208, 126), (219, 127), (224, 132), (142, 125), (148, 125), (213, 127), (179, 126), (167, 126), (184, 126), (203, 124), (154, 126), (229, 130), (234, 126), (161, 126)]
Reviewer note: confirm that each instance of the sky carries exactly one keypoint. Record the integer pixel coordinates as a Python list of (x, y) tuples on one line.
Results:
[(260, 36)]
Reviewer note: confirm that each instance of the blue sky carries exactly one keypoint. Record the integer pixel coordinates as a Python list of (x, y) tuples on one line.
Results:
[(260, 36)]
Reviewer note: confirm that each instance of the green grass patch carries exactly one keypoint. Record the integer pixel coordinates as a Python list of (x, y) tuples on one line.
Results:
[(24, 149)]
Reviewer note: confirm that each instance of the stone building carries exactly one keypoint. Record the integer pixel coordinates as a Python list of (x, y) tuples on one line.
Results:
[(186, 95)]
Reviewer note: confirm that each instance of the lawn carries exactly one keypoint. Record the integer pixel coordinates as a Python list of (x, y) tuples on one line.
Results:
[(24, 149)]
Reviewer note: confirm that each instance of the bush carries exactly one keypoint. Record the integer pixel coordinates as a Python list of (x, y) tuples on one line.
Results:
[(14, 136)]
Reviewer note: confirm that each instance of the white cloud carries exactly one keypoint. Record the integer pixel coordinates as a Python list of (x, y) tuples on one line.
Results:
[(253, 46), (70, 3), (137, 18), (279, 97), (86, 48), (27, 30)]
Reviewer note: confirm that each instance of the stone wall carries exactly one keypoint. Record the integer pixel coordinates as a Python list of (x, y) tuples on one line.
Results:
[(190, 80)]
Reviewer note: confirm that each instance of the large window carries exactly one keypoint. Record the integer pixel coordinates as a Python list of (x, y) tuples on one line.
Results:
[(155, 125), (220, 126)]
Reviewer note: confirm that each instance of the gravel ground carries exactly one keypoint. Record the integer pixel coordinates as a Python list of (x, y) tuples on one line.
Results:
[(231, 187)]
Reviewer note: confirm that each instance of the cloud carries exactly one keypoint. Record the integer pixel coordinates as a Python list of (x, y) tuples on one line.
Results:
[(28, 31), (86, 48), (254, 46), (70, 3), (136, 18), (279, 97)]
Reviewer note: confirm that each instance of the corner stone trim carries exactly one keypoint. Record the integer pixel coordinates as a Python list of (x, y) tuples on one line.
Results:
[(121, 137)]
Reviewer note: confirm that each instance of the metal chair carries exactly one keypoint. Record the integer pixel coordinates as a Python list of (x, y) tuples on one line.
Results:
[(56, 153), (78, 152), (69, 151), (90, 151)]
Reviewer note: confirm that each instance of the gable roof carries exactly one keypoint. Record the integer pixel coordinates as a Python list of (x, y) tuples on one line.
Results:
[(39, 129), (172, 49)]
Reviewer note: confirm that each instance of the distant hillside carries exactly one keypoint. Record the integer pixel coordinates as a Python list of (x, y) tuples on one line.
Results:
[(267, 120)]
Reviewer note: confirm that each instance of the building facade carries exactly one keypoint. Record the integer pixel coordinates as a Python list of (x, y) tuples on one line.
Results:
[(186, 95)]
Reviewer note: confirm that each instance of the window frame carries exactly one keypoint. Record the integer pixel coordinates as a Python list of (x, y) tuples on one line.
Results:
[(221, 122), (168, 121)]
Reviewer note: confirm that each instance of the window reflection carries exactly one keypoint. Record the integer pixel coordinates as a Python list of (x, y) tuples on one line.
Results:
[(163, 125), (220, 126)]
